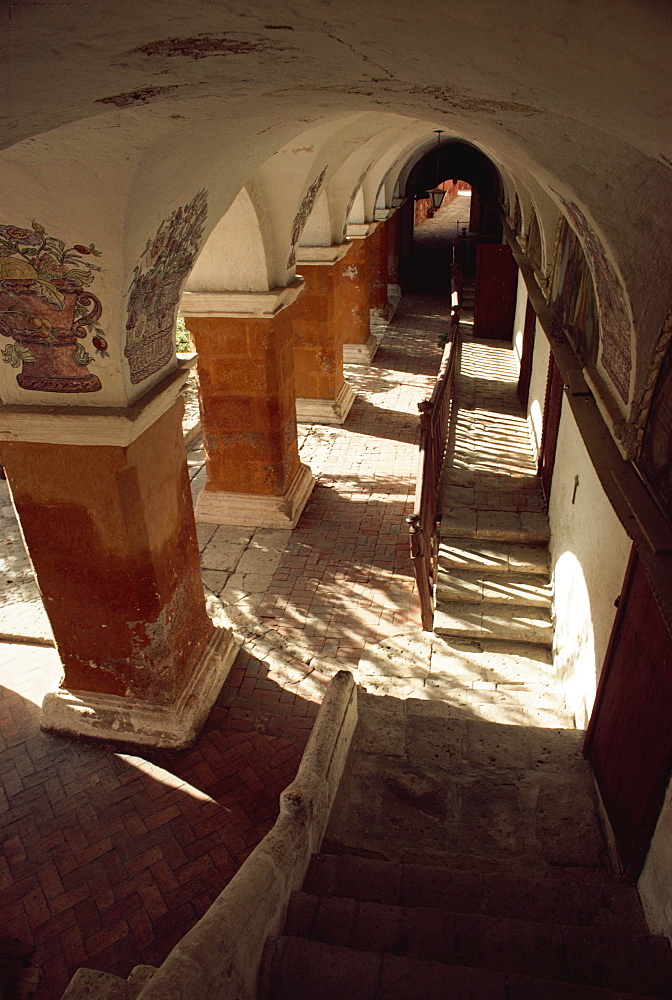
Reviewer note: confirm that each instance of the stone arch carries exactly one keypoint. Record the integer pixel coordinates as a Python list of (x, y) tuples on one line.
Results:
[(357, 213), (318, 229), (235, 255)]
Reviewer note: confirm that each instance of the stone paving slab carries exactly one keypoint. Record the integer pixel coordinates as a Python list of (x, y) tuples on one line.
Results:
[(437, 805)]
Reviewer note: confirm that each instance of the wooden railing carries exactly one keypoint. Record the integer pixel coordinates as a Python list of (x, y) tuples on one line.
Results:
[(423, 524)]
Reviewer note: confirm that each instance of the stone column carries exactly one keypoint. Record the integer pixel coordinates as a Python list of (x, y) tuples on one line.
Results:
[(105, 508), (393, 286), (381, 308), (248, 409), (322, 394), (359, 346)]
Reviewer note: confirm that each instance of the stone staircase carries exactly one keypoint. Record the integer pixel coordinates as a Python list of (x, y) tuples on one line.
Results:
[(464, 857), (365, 929), (463, 860), (493, 577), (369, 930)]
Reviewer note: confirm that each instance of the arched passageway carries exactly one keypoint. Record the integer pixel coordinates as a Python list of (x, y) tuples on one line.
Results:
[(201, 165)]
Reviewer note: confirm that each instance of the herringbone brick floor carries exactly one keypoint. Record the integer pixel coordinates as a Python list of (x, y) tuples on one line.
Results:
[(109, 857)]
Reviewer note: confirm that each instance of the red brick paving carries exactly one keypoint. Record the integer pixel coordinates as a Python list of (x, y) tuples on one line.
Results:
[(107, 857)]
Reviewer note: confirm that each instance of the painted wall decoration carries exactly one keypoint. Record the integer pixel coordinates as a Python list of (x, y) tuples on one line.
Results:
[(614, 316), (655, 459), (572, 295), (533, 247), (632, 433), (301, 217), (155, 291), (516, 216), (46, 310)]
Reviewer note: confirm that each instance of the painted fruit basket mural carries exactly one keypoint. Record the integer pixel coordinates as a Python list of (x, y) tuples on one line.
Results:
[(47, 310), (155, 291)]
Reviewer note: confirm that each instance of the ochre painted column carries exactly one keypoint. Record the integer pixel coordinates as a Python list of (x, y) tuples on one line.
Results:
[(359, 346), (248, 410), (381, 309), (322, 394), (393, 236), (111, 534)]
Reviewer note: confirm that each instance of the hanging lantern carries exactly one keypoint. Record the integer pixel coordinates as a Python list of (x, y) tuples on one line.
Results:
[(437, 195)]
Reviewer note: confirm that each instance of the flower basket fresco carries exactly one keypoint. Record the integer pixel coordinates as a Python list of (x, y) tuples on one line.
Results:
[(47, 310), (154, 294)]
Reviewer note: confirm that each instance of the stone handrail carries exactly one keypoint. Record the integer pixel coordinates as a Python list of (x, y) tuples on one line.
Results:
[(219, 957)]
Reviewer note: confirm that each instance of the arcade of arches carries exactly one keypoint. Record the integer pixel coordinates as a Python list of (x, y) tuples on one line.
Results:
[(254, 168)]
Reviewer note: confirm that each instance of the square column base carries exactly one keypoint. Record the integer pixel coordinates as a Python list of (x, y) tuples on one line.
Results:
[(360, 354), (326, 411), (255, 510), (382, 314), (130, 720)]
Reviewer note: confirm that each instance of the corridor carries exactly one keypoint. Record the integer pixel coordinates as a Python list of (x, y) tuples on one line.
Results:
[(109, 857)]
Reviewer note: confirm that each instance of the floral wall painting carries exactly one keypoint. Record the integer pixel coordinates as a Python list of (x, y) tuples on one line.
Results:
[(155, 291), (573, 297), (655, 460), (615, 322), (47, 310), (533, 249), (305, 208)]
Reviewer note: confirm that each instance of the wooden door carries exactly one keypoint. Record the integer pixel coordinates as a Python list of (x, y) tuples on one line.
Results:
[(496, 291), (523, 389), (551, 426), (629, 738)]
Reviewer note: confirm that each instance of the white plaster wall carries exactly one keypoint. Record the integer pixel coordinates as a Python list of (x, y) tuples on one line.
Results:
[(538, 378), (589, 553), (655, 883), (519, 319)]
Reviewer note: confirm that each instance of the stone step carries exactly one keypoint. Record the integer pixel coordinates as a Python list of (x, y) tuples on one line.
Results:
[(506, 705), (493, 556), (503, 662), (500, 525), (550, 901), (493, 621), (297, 969), (478, 586), (592, 956)]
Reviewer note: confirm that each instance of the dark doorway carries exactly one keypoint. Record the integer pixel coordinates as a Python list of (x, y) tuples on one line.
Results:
[(629, 738), (496, 289)]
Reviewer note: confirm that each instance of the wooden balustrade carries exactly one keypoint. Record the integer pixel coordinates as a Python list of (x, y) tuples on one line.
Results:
[(423, 523)]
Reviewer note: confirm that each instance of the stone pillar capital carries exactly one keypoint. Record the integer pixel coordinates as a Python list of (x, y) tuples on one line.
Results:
[(94, 425), (240, 305), (322, 255), (360, 230)]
